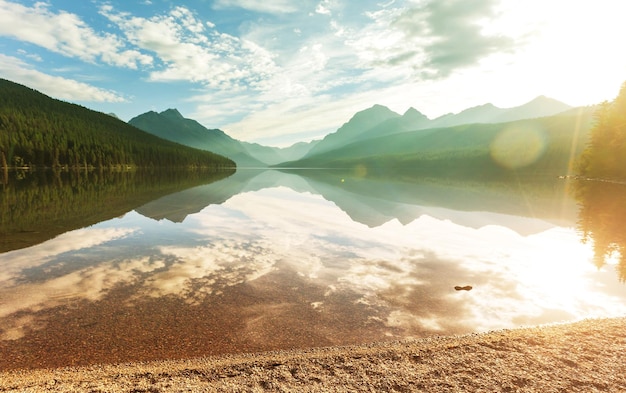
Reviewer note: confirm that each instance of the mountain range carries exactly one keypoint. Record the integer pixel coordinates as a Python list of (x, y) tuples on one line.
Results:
[(539, 107), (171, 125), (547, 145), (380, 137), (379, 121), (376, 139)]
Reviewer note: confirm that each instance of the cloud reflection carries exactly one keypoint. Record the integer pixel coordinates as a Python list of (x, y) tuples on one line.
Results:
[(214, 267), (518, 279), (14, 262), (404, 275), (89, 283)]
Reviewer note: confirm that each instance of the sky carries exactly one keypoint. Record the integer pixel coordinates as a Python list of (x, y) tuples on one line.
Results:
[(278, 72)]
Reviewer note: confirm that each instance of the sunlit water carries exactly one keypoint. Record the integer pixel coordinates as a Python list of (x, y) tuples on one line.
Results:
[(283, 263)]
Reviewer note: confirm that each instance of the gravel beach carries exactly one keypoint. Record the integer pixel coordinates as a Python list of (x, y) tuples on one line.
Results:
[(585, 356)]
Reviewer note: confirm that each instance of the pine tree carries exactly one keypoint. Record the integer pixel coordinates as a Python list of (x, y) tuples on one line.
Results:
[(605, 156)]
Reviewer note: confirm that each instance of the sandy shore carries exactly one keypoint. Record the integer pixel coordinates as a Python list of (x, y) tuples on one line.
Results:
[(586, 356)]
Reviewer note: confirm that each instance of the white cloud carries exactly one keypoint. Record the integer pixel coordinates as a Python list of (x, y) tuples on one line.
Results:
[(58, 87), (307, 75), (267, 6), (67, 34), (431, 39), (32, 56), (190, 52), (311, 74), (323, 7), (403, 55)]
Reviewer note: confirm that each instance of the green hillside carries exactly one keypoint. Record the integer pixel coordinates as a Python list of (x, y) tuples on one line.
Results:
[(171, 125), (39, 131), (352, 129), (536, 146)]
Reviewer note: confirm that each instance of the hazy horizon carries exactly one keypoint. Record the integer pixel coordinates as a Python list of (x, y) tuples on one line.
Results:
[(278, 72)]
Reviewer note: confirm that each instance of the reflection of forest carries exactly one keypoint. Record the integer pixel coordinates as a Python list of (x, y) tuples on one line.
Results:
[(37, 206), (601, 221)]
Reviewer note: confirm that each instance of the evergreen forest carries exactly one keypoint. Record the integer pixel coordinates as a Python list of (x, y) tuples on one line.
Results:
[(605, 156), (37, 131)]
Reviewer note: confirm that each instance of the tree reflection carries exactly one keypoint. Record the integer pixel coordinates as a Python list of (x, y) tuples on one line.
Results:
[(601, 221), (38, 205)]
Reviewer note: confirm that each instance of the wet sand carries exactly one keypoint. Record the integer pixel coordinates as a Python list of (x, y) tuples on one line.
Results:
[(583, 356)]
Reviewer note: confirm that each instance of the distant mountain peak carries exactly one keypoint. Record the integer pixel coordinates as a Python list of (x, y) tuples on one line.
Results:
[(546, 100), (379, 110), (542, 98), (371, 116), (538, 107), (374, 110), (172, 113), (414, 114), (367, 117), (488, 105)]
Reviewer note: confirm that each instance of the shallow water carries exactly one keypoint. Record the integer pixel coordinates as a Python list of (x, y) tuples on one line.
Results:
[(266, 260)]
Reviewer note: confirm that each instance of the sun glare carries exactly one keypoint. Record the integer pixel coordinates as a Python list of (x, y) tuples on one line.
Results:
[(579, 44), (559, 272), (565, 50)]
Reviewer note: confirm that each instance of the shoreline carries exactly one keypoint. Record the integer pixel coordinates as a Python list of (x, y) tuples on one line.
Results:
[(579, 356)]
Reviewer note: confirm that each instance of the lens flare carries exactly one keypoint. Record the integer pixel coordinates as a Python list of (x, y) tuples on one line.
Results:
[(518, 146), (360, 170)]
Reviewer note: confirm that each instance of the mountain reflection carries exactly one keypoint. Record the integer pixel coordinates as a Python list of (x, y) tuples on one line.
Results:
[(601, 222), (265, 260), (38, 206), (374, 202)]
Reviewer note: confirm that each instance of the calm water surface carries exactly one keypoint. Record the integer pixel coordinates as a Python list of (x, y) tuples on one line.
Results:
[(265, 260)]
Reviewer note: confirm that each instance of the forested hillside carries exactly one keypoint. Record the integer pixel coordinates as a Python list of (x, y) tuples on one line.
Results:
[(605, 156), (171, 125), (39, 131)]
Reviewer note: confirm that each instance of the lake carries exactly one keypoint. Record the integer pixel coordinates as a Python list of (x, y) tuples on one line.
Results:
[(118, 267)]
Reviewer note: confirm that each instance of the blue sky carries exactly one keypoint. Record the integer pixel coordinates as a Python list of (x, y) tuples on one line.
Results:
[(281, 71)]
